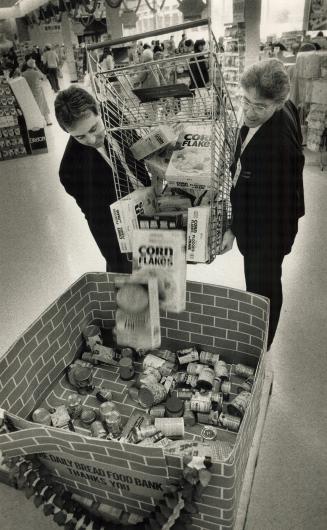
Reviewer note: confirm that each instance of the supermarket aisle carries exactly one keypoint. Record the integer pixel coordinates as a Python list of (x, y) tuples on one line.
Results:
[(46, 244)]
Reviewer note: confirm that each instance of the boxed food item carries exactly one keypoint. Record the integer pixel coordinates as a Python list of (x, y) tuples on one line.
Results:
[(197, 243), (190, 163), (157, 139), (125, 213), (163, 253), (137, 316), (163, 220)]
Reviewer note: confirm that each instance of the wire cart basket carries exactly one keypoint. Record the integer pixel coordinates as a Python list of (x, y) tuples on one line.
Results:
[(181, 95)]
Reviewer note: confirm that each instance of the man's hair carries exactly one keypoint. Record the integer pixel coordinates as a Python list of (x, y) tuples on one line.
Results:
[(73, 104), (189, 43), (269, 78)]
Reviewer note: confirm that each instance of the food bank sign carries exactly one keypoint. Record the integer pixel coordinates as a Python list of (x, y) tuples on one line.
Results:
[(104, 477)]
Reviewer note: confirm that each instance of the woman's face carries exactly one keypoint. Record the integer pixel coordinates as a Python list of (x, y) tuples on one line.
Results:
[(257, 110)]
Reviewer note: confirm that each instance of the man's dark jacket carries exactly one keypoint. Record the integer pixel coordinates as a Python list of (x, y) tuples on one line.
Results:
[(268, 198), (89, 179)]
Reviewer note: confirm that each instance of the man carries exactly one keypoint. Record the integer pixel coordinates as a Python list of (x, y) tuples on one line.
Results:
[(267, 192), (86, 170)]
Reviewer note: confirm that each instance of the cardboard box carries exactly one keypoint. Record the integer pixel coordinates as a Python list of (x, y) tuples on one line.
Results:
[(190, 163), (125, 213), (157, 139), (197, 240), (140, 330), (163, 253)]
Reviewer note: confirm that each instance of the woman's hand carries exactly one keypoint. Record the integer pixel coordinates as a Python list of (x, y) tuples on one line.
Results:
[(227, 243)]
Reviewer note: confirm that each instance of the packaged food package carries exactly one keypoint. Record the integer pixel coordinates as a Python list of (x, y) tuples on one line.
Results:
[(125, 214), (157, 139), (163, 220), (173, 203), (139, 329), (190, 163), (162, 253), (197, 239)]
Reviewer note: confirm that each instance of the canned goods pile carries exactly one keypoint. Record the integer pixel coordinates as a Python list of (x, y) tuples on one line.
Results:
[(177, 391)]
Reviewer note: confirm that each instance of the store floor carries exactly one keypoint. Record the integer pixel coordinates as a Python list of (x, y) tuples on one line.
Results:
[(45, 245)]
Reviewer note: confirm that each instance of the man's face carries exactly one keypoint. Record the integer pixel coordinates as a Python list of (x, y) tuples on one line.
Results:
[(257, 110), (89, 130)]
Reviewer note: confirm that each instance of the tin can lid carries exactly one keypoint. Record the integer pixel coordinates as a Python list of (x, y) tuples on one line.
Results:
[(174, 404), (82, 373), (146, 397), (208, 433), (88, 416), (91, 331)]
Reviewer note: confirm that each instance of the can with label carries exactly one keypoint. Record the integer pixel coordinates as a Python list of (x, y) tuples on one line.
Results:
[(126, 369), (194, 368), (106, 408), (183, 393), (148, 378), (170, 427), (216, 385), (167, 355), (208, 434), (221, 370), (243, 370), (246, 385), (74, 406), (232, 423), (217, 401), (206, 357), (180, 377), (158, 411), (92, 336), (206, 378), (98, 430), (152, 361), (214, 417), (103, 395), (190, 357), (169, 383), (189, 416), (144, 432), (191, 381), (42, 416), (151, 395), (200, 403), (226, 388), (239, 404), (113, 423)]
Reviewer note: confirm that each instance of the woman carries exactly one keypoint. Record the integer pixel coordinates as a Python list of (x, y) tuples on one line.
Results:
[(198, 67), (267, 192), (107, 60), (34, 77)]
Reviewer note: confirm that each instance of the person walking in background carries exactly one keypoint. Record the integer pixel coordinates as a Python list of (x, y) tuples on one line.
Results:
[(267, 193), (198, 67), (107, 60), (34, 77), (148, 76), (51, 62)]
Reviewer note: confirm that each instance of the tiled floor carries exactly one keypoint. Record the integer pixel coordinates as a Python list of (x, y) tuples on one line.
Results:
[(45, 245)]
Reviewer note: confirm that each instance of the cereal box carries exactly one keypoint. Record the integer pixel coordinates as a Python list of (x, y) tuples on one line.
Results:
[(197, 240), (163, 253), (190, 163), (125, 213), (157, 139)]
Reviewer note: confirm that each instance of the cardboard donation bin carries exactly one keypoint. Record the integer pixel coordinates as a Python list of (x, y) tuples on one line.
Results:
[(131, 477)]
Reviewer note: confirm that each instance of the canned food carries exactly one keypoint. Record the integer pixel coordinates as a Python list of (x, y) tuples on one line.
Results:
[(221, 370), (133, 392), (191, 381), (106, 408), (167, 355), (205, 357), (169, 383), (126, 352), (189, 357), (208, 434), (214, 417), (113, 423), (216, 385), (144, 432), (42, 416), (206, 378), (194, 368), (126, 369), (189, 416), (184, 393), (92, 336), (180, 377), (244, 370), (103, 395), (158, 411), (226, 387), (174, 407), (74, 405), (88, 416), (171, 427), (232, 423), (217, 400), (98, 430), (200, 403), (246, 385), (152, 361), (151, 395), (239, 404)]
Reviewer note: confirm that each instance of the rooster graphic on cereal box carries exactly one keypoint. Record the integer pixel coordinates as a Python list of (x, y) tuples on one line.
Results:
[(190, 163)]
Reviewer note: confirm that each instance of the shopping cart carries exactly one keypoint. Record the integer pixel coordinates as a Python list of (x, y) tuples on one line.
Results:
[(131, 112)]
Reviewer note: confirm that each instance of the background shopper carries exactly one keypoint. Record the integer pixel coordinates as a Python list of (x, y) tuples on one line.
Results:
[(34, 79), (86, 172), (267, 193), (51, 62)]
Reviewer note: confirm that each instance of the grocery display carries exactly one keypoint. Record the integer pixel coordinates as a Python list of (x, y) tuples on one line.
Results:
[(138, 430), (13, 134), (232, 59)]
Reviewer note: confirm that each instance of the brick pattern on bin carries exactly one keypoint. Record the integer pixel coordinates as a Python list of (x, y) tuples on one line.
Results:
[(226, 321)]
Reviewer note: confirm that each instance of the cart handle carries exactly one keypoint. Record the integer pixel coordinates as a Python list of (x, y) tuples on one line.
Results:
[(142, 36)]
